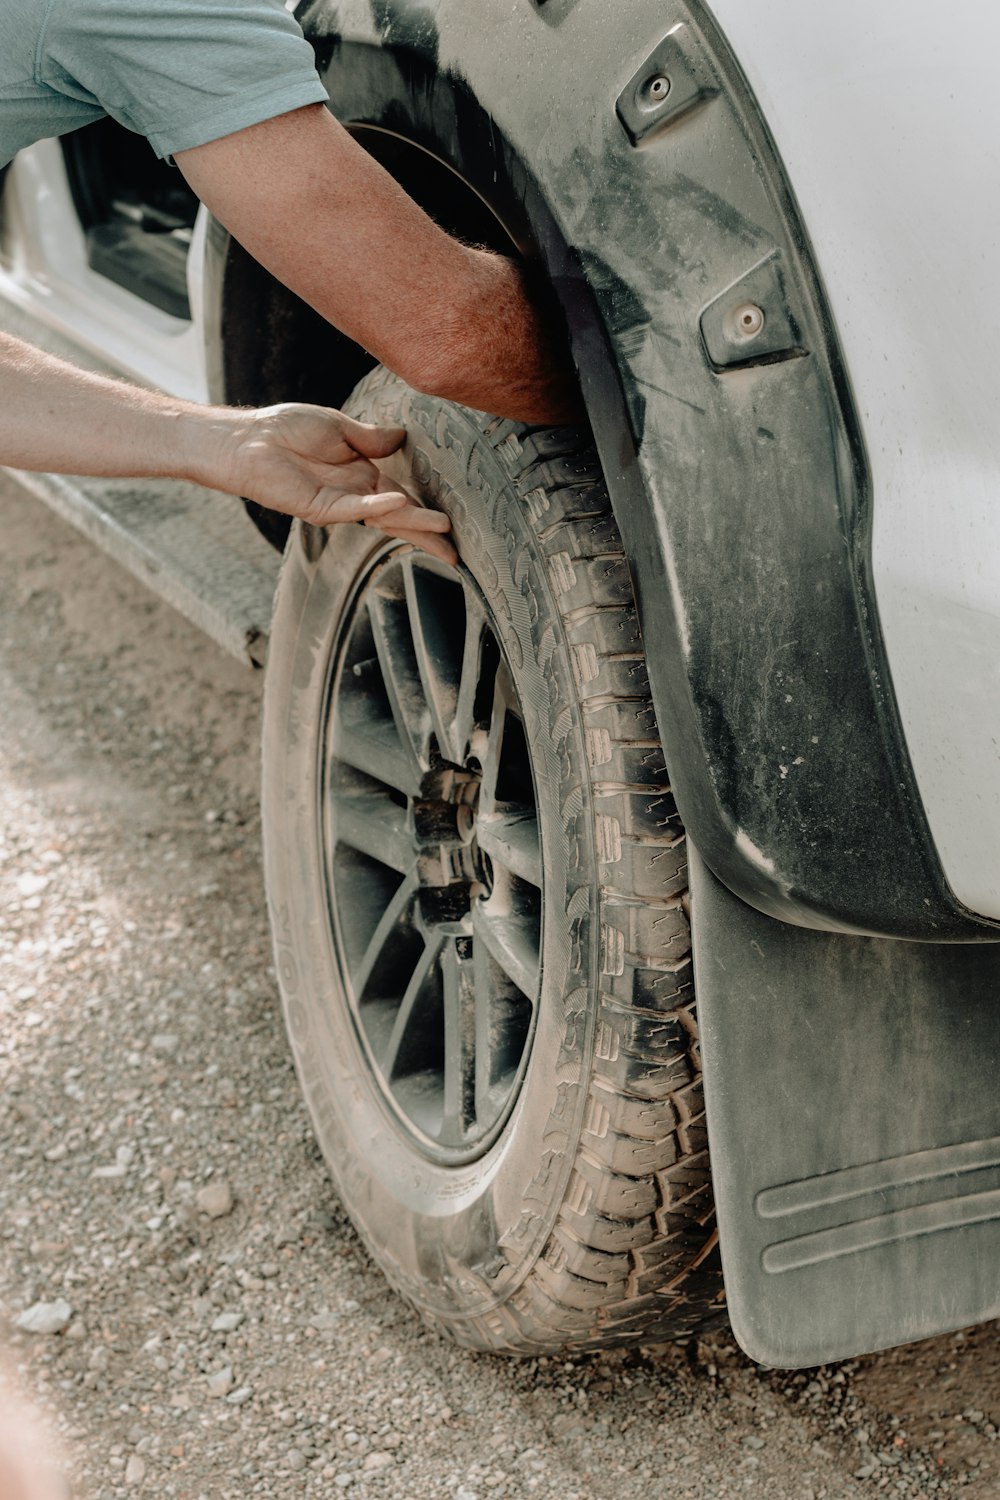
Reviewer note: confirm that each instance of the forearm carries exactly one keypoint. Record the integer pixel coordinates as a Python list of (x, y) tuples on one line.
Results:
[(308, 461), (54, 416), (314, 208)]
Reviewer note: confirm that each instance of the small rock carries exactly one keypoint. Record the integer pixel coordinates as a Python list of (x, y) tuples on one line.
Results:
[(220, 1383), (216, 1199), (45, 1317), (43, 1249), (377, 1461), (343, 1480), (320, 1219), (135, 1470), (165, 1041), (324, 1321), (296, 1459), (752, 1442), (241, 1396), (123, 1160), (227, 1322), (270, 1269), (31, 885)]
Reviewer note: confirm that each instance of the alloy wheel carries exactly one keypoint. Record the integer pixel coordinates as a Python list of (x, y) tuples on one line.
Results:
[(432, 852)]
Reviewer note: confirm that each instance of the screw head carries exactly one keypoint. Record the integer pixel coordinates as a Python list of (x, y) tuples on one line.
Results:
[(747, 320), (654, 90)]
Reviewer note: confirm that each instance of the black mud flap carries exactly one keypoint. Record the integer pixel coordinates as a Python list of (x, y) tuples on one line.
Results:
[(853, 1097)]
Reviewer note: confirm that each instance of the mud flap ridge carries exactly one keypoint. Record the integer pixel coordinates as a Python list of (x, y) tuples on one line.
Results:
[(852, 1090)]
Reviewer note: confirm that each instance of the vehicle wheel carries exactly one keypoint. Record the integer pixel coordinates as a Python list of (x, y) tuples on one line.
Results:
[(475, 871)]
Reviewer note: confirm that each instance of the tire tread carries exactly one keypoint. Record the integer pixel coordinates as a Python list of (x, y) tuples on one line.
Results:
[(632, 1255)]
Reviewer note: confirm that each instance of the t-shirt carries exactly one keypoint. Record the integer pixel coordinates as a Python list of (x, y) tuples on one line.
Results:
[(180, 72)]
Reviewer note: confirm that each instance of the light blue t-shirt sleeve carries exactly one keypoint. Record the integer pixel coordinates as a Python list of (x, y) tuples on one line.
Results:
[(180, 72)]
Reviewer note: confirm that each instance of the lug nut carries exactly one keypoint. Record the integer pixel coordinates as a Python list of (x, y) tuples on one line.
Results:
[(465, 821)]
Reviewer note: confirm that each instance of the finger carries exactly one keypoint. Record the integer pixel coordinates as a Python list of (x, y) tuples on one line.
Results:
[(372, 440), (331, 506), (410, 513), (415, 518), (429, 541)]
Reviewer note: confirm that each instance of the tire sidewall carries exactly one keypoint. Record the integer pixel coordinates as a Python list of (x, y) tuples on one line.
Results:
[(457, 1241)]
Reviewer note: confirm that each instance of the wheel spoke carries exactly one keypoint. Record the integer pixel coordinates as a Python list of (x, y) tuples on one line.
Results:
[(436, 604), (512, 943), (377, 751), (375, 825), (502, 695), (473, 664), (394, 647), (492, 1011), (459, 1044), (413, 995), (512, 842), (397, 911)]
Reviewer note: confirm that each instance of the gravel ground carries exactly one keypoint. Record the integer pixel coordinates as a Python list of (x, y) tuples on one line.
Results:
[(216, 1329)]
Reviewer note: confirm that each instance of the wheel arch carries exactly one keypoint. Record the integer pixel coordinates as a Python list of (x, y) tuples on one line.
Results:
[(264, 344)]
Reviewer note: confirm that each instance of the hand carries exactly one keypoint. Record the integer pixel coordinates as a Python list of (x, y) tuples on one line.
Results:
[(317, 464)]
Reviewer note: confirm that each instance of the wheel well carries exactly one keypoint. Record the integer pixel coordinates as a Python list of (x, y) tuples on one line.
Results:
[(276, 348)]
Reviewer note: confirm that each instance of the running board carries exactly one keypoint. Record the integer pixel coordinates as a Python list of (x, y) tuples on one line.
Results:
[(852, 1089), (195, 548)]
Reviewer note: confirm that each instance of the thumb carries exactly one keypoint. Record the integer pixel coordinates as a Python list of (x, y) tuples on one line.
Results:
[(371, 440)]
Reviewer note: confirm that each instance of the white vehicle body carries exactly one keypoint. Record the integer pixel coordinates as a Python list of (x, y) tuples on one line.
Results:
[(889, 126)]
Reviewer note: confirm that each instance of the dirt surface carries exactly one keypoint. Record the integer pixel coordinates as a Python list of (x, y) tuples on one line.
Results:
[(217, 1328)]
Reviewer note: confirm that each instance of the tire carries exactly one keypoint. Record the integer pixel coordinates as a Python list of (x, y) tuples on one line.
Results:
[(477, 887)]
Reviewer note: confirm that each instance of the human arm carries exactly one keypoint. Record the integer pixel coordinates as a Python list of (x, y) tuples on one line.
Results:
[(306, 461), (324, 218)]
